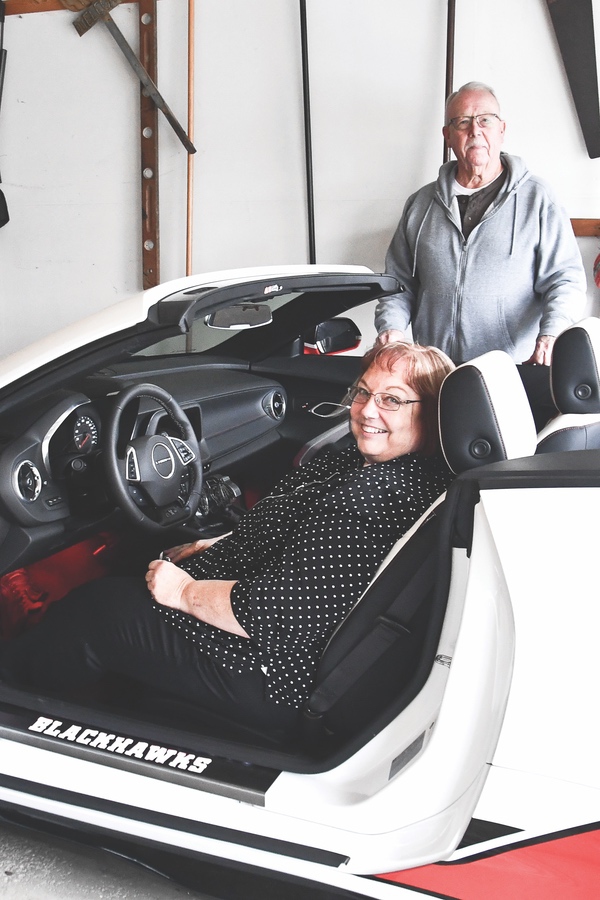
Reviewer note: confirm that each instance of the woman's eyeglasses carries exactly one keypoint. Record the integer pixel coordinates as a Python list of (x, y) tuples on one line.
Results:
[(384, 401)]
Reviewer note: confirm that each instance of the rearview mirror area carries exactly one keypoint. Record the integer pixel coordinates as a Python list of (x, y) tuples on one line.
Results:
[(240, 316)]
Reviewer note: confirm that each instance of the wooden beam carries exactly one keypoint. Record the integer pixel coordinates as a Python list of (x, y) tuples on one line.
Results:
[(586, 227), (21, 7), (149, 148)]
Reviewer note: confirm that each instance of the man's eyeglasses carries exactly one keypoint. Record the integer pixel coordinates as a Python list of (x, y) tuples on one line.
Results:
[(485, 120), (385, 401)]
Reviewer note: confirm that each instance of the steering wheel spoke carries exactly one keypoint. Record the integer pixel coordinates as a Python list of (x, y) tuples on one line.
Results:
[(158, 482)]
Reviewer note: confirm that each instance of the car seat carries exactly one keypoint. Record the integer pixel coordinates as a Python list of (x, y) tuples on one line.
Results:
[(380, 656), (575, 386)]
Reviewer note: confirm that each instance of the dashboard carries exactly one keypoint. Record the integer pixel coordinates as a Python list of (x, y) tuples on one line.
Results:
[(52, 453)]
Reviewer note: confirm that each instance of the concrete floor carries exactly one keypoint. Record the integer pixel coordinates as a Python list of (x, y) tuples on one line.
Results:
[(37, 867)]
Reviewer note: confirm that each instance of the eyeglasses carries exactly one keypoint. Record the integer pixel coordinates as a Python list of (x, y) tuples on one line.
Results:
[(385, 401), (485, 120)]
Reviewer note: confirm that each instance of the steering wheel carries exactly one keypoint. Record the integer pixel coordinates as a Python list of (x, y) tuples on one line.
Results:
[(155, 479)]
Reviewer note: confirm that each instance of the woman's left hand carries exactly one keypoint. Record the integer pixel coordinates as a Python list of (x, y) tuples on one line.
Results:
[(208, 601)]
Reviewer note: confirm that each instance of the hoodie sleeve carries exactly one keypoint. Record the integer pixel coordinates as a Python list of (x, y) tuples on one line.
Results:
[(395, 311), (560, 277)]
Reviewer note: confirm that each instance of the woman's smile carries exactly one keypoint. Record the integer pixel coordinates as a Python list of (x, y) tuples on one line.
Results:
[(383, 434)]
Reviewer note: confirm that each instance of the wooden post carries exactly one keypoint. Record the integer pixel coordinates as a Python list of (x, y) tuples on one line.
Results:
[(149, 148)]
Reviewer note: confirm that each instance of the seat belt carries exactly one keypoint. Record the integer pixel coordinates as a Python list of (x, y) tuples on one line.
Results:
[(388, 629)]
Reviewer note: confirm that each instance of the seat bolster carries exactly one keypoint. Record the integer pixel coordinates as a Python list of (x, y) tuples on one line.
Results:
[(332, 436), (575, 376), (570, 432)]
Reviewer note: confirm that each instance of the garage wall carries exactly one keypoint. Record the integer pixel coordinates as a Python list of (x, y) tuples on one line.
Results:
[(69, 155)]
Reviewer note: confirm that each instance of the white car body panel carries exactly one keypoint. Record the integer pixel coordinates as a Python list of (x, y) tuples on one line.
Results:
[(504, 729)]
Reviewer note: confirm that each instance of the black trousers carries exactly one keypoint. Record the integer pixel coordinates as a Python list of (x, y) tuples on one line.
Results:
[(109, 628)]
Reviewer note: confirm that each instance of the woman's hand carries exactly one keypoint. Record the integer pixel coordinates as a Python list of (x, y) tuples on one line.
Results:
[(182, 551), (166, 582), (208, 601)]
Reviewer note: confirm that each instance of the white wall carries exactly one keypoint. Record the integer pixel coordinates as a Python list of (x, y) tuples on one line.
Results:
[(69, 154)]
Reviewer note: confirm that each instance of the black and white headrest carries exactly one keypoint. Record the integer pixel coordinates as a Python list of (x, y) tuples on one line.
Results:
[(484, 413), (574, 376)]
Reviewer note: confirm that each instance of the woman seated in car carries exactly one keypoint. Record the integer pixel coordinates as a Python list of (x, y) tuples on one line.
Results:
[(237, 626)]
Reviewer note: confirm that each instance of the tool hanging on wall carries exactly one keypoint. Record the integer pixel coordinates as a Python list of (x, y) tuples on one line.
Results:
[(151, 100), (99, 11), (573, 23), (4, 217)]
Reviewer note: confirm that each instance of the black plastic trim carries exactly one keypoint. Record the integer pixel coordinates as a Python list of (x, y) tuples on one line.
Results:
[(161, 820)]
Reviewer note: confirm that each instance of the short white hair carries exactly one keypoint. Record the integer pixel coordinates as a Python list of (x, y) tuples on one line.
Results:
[(470, 86)]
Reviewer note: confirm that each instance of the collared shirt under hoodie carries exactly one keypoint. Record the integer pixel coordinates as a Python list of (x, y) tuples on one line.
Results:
[(472, 205), (302, 556)]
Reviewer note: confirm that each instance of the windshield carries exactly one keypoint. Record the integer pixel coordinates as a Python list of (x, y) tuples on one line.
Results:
[(203, 338)]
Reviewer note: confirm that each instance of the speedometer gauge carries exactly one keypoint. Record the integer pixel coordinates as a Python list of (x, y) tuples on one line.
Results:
[(85, 434)]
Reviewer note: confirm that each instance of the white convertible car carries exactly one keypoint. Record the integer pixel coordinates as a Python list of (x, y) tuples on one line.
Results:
[(450, 744)]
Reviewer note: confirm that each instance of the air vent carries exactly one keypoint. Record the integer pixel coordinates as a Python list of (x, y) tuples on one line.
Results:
[(29, 481), (274, 405)]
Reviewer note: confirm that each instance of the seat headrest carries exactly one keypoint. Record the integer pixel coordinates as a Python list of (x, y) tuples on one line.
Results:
[(574, 377), (484, 413)]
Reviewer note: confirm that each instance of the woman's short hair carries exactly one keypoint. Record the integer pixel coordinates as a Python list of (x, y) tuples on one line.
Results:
[(426, 368)]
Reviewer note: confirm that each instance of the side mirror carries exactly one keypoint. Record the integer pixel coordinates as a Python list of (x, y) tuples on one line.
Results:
[(242, 315), (333, 336)]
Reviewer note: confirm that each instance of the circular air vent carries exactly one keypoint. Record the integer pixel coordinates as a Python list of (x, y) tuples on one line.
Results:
[(274, 405), (29, 481)]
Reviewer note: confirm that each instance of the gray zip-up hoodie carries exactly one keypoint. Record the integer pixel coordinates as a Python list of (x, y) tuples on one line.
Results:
[(518, 275)]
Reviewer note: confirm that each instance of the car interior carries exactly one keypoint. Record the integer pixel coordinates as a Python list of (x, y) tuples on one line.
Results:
[(234, 413)]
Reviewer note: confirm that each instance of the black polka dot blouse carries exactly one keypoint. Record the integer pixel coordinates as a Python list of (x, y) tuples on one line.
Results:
[(302, 556)]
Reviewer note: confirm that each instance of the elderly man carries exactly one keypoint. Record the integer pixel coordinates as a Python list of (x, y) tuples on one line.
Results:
[(486, 255)]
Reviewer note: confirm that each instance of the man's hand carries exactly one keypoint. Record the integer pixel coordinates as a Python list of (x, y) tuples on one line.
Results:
[(208, 601), (389, 337), (542, 355)]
